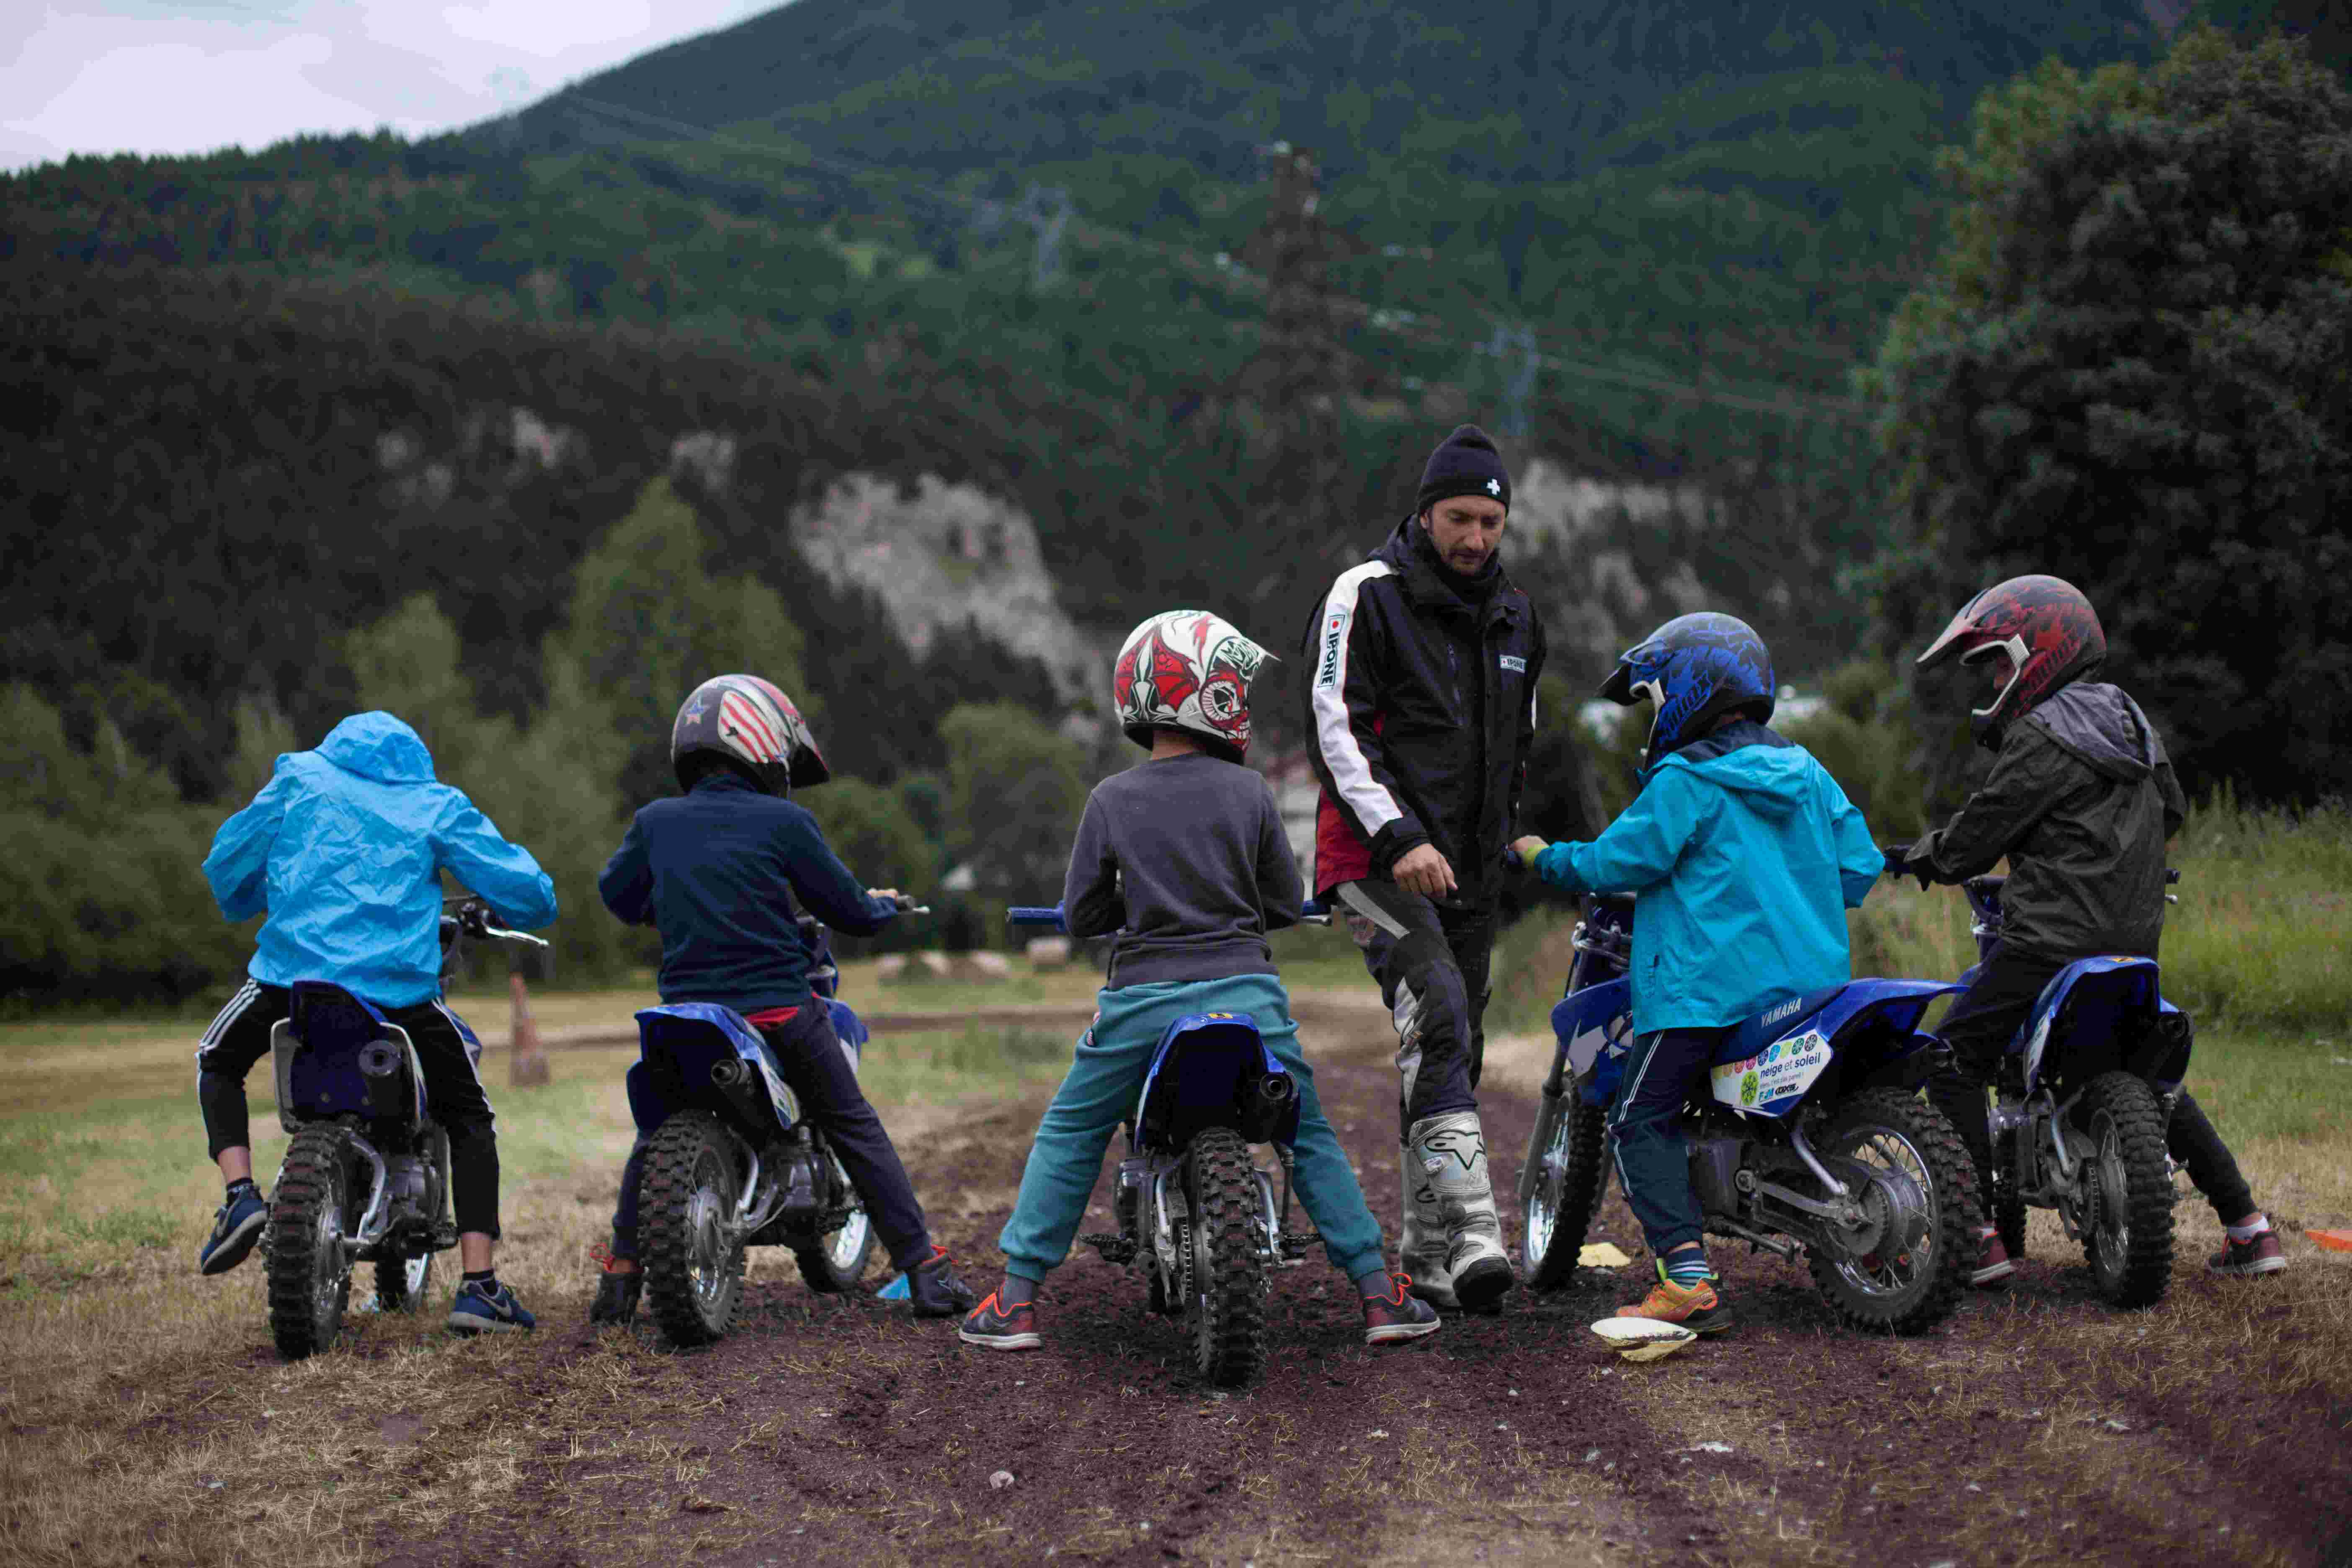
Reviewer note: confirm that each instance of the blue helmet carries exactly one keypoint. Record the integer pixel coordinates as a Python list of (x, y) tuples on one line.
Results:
[(1696, 668)]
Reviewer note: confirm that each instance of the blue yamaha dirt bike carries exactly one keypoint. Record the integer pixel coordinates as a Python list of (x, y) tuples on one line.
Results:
[(1809, 1137), (1191, 1203), (366, 1178), (731, 1164), (2081, 1100)]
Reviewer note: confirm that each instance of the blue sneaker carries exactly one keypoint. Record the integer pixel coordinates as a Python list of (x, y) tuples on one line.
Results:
[(489, 1308), (236, 1228)]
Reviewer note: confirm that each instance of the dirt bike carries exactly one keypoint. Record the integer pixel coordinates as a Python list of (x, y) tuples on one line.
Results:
[(731, 1164), (2081, 1100), (366, 1178), (1809, 1139), (1191, 1203)]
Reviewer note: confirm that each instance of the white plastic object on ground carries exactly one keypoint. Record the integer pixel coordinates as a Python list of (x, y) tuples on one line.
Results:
[(1643, 1338)]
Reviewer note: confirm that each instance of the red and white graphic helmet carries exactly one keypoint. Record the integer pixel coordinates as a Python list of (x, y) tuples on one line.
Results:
[(1188, 670), (2049, 631), (746, 719)]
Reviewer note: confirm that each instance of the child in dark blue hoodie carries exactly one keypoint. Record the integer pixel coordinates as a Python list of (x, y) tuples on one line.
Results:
[(717, 868)]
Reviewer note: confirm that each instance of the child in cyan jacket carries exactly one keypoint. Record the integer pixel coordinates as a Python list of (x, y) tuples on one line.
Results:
[(344, 850), (1182, 860), (716, 870), (1745, 856)]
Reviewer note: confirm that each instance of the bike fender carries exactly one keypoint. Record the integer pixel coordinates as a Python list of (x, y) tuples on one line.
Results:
[(1198, 1067), (684, 1039)]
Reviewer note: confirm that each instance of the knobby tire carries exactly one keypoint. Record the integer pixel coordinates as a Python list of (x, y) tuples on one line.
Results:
[(1951, 1178), (1574, 1190), (686, 1149), (1225, 1320), (314, 1187), (2139, 1271)]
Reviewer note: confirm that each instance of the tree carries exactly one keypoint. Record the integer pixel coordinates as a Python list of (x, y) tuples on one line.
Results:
[(1015, 789), (650, 624), (2132, 367)]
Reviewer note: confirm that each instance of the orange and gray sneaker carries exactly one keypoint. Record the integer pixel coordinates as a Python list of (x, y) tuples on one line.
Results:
[(994, 1326), (1699, 1307), (1993, 1265), (1399, 1315)]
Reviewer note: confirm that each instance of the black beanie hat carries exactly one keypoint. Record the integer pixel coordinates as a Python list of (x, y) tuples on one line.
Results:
[(1465, 464)]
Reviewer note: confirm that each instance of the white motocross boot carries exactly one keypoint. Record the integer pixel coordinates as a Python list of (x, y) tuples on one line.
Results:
[(1448, 1191), (1421, 1247)]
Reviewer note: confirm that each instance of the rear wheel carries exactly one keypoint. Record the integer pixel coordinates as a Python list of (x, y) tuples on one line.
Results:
[(1568, 1154), (1904, 1271), (838, 1258), (1224, 1308), (2127, 1190), (309, 1267), (692, 1258)]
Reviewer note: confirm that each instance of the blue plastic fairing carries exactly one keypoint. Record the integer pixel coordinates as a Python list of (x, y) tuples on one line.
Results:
[(677, 1046), (324, 1077), (1595, 1028), (2101, 998), (1202, 1063)]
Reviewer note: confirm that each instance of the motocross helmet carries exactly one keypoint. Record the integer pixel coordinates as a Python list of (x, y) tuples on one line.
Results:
[(745, 721), (2047, 628), (1696, 668), (1187, 670)]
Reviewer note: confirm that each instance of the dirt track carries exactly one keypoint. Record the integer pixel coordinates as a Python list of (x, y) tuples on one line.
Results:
[(2037, 1427)]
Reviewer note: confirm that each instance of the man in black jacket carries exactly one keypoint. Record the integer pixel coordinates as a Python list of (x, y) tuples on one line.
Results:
[(1420, 701), (2081, 801)]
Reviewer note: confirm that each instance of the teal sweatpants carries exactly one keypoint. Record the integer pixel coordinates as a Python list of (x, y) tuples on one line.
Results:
[(1099, 1093)]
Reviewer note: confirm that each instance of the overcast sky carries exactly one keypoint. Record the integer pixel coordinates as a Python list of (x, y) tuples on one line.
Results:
[(150, 76)]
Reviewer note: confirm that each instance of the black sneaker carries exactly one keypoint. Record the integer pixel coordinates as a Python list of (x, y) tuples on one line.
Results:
[(935, 1291), (994, 1326), (1401, 1315), (236, 1228), (616, 1292)]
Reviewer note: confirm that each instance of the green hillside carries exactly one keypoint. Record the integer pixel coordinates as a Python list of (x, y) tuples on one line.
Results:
[(814, 231)]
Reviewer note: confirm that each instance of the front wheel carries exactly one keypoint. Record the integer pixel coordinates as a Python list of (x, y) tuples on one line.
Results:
[(837, 1259), (1904, 1271), (692, 1258), (309, 1267), (2128, 1230), (1568, 1157), (1224, 1309)]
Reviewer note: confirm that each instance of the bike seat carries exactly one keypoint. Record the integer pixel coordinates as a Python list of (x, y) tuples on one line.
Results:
[(327, 1017), (1749, 1038)]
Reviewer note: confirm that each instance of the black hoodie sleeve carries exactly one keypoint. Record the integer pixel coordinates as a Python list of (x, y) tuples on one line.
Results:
[(1344, 716), (2028, 777)]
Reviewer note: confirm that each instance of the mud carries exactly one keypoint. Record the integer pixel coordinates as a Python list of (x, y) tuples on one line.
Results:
[(2035, 1426)]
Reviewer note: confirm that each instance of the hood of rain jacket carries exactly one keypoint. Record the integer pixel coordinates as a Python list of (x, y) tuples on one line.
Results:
[(342, 850)]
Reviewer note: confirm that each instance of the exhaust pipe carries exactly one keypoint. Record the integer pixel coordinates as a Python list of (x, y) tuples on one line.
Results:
[(379, 1058), (728, 1071)]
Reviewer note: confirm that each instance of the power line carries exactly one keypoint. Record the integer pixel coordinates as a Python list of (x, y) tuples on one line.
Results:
[(1787, 405)]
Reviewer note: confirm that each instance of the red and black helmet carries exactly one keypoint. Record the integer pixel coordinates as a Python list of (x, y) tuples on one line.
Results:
[(2047, 628), (750, 723)]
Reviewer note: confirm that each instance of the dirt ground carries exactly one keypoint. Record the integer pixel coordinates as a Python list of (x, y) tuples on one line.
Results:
[(2037, 1426)]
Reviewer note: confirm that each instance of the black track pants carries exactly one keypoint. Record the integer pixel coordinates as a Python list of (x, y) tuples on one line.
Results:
[(817, 1070), (1431, 962), (239, 1037)]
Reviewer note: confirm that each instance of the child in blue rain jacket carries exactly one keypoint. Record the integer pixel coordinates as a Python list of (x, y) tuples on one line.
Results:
[(1744, 856)]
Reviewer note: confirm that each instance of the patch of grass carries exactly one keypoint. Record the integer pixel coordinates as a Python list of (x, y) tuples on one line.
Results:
[(142, 1411)]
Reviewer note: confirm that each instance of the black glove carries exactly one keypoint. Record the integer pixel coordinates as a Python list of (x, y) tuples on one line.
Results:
[(474, 917), (1899, 864)]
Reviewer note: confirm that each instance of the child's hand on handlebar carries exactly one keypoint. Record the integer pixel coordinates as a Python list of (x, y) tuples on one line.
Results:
[(1528, 846)]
